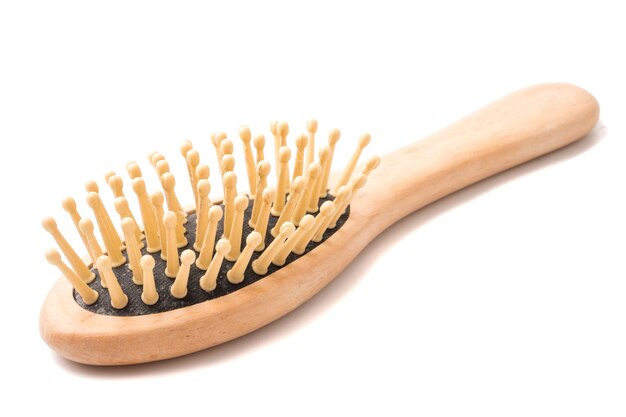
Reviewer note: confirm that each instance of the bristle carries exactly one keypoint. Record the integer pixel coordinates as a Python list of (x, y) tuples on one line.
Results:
[(364, 140), (149, 294), (282, 129), (122, 208), (193, 160), (111, 239), (343, 194), (227, 147), (92, 187), (246, 136), (236, 273), (161, 168), (230, 192), (240, 205), (155, 157), (170, 220), (228, 163), (147, 216), (108, 175), (297, 187), (134, 171), (202, 173), (298, 166), (305, 225), (208, 282), (169, 182), (133, 249), (156, 198), (216, 140), (119, 300), (313, 171), (326, 210), (311, 127), (273, 127), (356, 184), (333, 138), (117, 185), (269, 195), (69, 205), (263, 170), (284, 154), (371, 164), (261, 264), (88, 295), (208, 241), (185, 147), (179, 288), (259, 145), (202, 214), (86, 228), (324, 156)]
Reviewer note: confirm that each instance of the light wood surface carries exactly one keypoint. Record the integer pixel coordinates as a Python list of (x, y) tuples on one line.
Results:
[(513, 130)]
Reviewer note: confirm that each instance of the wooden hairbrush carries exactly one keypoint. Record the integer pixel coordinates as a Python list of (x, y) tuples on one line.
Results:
[(191, 279)]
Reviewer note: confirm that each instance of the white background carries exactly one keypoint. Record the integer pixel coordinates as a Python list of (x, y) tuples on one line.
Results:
[(507, 298)]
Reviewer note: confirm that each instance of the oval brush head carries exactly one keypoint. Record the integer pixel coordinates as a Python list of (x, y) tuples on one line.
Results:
[(169, 259)]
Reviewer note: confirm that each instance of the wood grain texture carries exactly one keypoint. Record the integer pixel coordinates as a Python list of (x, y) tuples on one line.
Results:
[(508, 132)]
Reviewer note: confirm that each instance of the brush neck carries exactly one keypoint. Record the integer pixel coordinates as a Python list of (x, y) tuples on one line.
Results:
[(515, 129)]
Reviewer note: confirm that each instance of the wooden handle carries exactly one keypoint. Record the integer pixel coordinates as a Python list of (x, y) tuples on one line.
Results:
[(517, 128)]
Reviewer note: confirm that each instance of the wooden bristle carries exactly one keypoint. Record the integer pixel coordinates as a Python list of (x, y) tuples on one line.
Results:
[(208, 282), (119, 300), (246, 136), (193, 160), (88, 295), (92, 187), (134, 171), (156, 198), (236, 230), (305, 225), (269, 195), (202, 214), (333, 138), (111, 239), (236, 274), (147, 216), (297, 187), (117, 185), (364, 140), (149, 294), (179, 288), (170, 220), (168, 182), (69, 205), (208, 241), (259, 145), (87, 230), (133, 249), (298, 166), (230, 192), (326, 210), (311, 128), (216, 140), (313, 171), (261, 264), (123, 209), (284, 155), (263, 170)]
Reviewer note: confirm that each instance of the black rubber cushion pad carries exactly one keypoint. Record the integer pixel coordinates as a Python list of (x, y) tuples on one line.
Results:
[(195, 294)]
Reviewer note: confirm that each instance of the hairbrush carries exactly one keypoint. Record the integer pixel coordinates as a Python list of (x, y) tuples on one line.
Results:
[(191, 278)]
